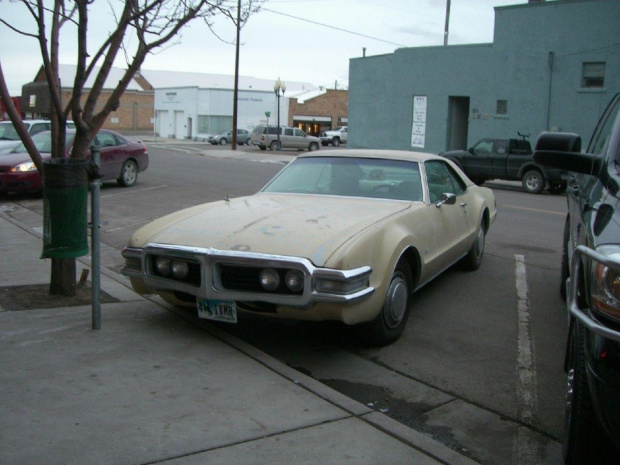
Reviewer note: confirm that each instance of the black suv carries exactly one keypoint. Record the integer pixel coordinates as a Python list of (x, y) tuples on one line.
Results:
[(591, 283)]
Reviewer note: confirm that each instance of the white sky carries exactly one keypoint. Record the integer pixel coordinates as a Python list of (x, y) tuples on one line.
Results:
[(274, 42)]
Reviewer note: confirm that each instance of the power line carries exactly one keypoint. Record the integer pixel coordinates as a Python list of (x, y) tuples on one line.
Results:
[(333, 27)]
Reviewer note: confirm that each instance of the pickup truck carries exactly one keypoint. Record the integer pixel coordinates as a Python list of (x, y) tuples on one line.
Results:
[(508, 159), (335, 137)]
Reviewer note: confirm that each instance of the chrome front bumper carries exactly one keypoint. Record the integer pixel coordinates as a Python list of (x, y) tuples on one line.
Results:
[(320, 284)]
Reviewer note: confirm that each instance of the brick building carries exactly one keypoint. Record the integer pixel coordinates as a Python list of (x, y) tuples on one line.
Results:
[(135, 111), (315, 112)]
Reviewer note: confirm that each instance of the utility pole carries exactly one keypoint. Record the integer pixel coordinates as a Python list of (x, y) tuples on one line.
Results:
[(236, 91), (447, 26)]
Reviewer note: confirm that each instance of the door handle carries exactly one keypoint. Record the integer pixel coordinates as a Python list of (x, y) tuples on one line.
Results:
[(463, 204)]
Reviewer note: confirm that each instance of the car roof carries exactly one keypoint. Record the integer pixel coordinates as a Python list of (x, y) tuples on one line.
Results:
[(405, 155)]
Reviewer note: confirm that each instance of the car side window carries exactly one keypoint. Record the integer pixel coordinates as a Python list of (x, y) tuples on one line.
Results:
[(501, 146), (484, 147), (36, 128), (105, 139), (441, 180), (288, 132), (601, 137), (299, 133)]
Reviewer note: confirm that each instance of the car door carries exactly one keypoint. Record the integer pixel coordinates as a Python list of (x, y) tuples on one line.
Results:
[(111, 153), (451, 223), (479, 163), (288, 139)]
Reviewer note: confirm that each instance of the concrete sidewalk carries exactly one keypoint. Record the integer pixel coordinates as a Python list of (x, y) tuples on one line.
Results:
[(157, 385)]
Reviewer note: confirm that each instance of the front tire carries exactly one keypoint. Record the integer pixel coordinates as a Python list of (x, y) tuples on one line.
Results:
[(533, 182), (389, 324), (473, 259), (565, 265), (584, 439), (129, 174), (223, 141), (313, 147)]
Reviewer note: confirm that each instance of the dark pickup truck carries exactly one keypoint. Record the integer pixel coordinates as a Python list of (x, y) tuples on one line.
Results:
[(508, 159)]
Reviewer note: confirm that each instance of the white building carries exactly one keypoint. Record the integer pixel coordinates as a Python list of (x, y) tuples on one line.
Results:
[(195, 105)]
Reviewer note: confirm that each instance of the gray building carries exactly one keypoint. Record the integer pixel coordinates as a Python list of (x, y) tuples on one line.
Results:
[(553, 65)]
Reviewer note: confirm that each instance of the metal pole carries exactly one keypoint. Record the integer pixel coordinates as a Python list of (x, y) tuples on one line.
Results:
[(95, 252), (233, 145), (447, 26)]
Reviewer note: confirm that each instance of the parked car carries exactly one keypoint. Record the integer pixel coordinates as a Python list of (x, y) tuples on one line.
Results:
[(591, 281), (508, 159), (121, 160), (9, 139), (225, 137), (341, 235), (335, 136), (290, 138)]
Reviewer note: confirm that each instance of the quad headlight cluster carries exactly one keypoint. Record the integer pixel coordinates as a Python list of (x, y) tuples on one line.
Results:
[(177, 269)]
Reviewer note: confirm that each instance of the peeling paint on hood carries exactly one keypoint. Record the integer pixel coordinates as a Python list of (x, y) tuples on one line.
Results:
[(294, 225)]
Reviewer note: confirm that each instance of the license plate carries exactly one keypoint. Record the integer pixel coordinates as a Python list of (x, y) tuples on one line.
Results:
[(217, 310)]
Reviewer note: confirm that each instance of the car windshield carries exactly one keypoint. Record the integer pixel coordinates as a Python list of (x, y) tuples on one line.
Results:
[(43, 142), (8, 132), (353, 177)]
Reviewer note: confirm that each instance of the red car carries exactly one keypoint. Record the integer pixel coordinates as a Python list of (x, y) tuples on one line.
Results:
[(121, 160)]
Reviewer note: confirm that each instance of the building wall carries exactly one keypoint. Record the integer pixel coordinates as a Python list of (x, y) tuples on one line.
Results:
[(534, 64), (191, 105), (321, 113)]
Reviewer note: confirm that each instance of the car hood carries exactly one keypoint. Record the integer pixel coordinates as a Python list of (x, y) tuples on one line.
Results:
[(292, 225), (14, 158)]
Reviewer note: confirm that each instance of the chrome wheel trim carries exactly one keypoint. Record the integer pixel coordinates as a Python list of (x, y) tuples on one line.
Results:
[(130, 173), (395, 306)]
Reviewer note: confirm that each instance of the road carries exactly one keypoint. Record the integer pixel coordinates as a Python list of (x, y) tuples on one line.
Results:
[(479, 366)]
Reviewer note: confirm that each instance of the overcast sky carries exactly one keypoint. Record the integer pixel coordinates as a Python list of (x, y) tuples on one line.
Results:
[(297, 40)]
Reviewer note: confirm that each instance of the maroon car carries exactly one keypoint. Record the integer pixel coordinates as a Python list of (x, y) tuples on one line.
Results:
[(121, 160)]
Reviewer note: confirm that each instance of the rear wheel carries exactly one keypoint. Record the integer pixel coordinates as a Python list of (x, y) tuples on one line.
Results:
[(336, 142), (533, 182), (275, 145), (129, 174), (390, 322)]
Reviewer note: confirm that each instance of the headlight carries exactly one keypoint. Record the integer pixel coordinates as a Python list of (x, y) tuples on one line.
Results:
[(294, 280), (180, 269), (606, 284), (269, 279), (23, 167), (163, 266)]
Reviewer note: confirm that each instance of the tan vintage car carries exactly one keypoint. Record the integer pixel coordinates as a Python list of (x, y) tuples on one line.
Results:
[(343, 235)]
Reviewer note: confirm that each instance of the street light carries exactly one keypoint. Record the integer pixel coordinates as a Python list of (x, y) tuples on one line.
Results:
[(279, 88)]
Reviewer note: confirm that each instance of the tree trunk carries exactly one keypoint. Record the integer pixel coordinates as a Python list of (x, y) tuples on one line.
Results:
[(63, 280)]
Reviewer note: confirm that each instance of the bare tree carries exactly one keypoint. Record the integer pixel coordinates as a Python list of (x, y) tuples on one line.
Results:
[(141, 27)]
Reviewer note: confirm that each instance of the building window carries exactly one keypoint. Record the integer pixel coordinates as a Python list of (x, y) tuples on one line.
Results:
[(502, 107), (593, 75)]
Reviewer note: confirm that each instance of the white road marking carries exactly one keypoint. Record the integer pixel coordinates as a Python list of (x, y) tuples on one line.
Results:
[(525, 448)]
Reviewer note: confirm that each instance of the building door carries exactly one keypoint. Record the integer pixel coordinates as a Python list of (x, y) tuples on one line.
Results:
[(458, 126), (179, 125), (163, 124)]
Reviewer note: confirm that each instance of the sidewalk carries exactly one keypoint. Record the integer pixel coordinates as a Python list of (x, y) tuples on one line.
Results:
[(157, 385)]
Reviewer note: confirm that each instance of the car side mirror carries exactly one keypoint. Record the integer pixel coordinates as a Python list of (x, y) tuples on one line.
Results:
[(562, 150), (472, 151), (446, 198)]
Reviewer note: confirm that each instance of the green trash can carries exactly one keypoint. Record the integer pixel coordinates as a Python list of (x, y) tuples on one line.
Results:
[(65, 208)]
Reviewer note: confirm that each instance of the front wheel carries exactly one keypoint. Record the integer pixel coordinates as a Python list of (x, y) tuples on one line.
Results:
[(223, 141), (533, 182), (313, 147), (390, 322), (129, 174), (584, 439)]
